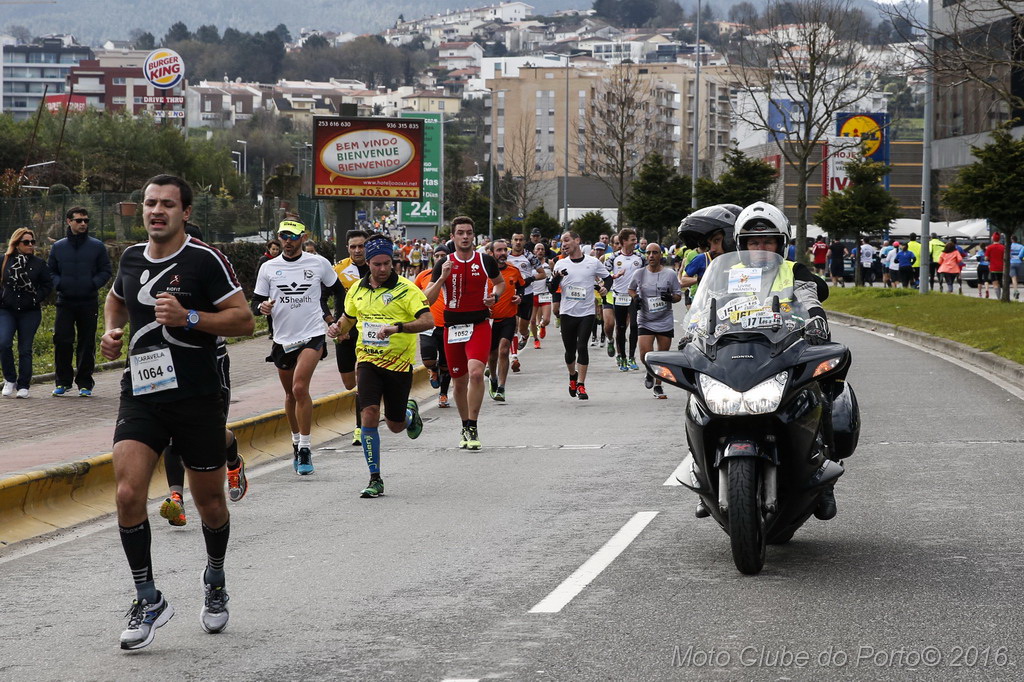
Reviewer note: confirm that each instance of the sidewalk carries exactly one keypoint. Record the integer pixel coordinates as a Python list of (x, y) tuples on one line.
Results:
[(44, 430)]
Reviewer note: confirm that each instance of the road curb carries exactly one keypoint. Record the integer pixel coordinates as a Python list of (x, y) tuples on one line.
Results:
[(40, 502), (1007, 370)]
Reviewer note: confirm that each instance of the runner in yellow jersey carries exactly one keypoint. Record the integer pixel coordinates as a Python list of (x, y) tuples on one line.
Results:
[(386, 312)]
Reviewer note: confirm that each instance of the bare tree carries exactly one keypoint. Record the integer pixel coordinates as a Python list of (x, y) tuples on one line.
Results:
[(619, 129), (524, 164), (797, 56)]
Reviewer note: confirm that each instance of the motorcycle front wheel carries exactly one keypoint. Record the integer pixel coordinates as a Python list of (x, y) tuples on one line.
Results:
[(746, 521)]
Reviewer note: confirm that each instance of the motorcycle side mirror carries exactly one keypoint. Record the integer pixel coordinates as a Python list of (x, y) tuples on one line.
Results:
[(668, 366)]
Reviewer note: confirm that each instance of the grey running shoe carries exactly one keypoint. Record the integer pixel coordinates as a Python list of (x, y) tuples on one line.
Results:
[(214, 616), (143, 620)]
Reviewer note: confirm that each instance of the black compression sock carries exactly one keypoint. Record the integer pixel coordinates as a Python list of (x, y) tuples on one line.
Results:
[(471, 423), (216, 548), (136, 542), (231, 454)]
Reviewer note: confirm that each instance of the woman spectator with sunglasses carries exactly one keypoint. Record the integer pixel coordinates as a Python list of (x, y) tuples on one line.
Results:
[(24, 282)]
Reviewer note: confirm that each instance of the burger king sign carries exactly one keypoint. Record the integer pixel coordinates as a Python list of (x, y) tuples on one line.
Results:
[(164, 68)]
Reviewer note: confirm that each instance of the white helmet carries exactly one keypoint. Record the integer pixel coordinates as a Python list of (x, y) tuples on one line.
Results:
[(762, 220)]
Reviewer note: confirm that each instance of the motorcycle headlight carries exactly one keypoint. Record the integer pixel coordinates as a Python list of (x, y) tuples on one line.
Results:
[(761, 399)]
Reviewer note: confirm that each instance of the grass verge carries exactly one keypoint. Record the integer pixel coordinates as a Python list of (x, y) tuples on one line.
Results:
[(984, 324)]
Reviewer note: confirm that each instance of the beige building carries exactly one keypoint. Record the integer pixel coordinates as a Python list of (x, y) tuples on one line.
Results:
[(530, 120), (434, 101)]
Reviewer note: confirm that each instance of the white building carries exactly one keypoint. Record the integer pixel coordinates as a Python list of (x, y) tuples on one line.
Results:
[(461, 55)]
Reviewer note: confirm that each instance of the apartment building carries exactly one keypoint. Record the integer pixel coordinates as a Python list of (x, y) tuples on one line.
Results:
[(29, 71)]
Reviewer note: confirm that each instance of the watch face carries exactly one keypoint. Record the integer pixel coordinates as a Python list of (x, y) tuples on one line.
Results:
[(193, 318)]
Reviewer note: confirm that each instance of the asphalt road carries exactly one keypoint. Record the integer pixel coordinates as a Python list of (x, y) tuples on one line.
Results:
[(916, 578)]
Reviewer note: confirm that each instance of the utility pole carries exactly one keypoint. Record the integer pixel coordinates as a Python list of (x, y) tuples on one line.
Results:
[(926, 157), (696, 115)]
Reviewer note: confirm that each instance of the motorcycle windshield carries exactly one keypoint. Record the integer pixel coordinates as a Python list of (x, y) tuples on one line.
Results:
[(737, 296)]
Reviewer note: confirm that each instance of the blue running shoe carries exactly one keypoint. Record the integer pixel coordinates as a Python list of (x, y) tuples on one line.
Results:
[(304, 462), (85, 393), (61, 390)]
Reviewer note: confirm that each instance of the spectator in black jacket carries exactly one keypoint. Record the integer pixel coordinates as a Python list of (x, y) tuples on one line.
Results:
[(80, 267), (24, 283)]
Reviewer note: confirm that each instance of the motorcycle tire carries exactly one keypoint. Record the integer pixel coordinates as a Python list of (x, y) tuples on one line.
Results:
[(746, 521)]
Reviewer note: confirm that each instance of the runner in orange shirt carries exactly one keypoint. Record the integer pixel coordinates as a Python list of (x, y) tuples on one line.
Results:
[(503, 319), (432, 340)]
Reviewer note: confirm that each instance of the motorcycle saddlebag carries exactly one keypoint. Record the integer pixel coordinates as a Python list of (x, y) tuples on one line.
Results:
[(845, 420)]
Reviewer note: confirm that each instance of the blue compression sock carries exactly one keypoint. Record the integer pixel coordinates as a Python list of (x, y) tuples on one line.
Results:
[(371, 448)]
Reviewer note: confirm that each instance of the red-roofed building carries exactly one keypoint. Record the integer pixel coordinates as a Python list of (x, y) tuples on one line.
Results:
[(462, 55)]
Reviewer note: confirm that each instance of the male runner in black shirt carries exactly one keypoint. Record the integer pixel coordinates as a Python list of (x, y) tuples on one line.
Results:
[(179, 295)]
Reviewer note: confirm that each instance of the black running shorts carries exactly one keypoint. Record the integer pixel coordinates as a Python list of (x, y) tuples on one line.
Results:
[(194, 427), (286, 361), (374, 384), (505, 328), (345, 352)]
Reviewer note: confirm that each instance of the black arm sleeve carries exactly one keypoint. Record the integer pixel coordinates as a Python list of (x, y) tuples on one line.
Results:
[(490, 266), (608, 282), (801, 272), (338, 291), (435, 272), (254, 304)]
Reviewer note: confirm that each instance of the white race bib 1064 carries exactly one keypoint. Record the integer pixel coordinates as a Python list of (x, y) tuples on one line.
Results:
[(545, 298), (460, 333), (152, 372)]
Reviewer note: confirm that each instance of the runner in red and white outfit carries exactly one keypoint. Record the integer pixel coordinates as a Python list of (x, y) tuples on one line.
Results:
[(464, 276)]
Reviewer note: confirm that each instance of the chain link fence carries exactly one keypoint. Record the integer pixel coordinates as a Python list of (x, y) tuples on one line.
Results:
[(118, 217)]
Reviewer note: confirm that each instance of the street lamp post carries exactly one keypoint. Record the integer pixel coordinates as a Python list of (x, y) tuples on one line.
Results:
[(490, 160), (237, 160), (245, 155), (696, 114)]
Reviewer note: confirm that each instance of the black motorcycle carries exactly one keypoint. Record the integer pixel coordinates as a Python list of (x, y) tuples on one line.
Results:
[(769, 416)]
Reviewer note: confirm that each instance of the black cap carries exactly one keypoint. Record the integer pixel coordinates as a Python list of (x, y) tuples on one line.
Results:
[(535, 231)]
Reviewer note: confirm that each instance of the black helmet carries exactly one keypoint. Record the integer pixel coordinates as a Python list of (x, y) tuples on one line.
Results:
[(697, 228)]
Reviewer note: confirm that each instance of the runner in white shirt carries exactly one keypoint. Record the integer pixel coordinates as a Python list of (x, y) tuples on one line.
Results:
[(288, 288), (622, 266), (579, 276), (532, 268)]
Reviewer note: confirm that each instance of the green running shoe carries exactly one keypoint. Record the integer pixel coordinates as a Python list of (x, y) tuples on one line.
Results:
[(472, 438), (633, 367), (357, 436), (415, 428), (464, 439), (499, 395), (611, 349), (375, 489)]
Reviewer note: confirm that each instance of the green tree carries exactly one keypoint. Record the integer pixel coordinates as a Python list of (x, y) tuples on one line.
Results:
[(282, 32), (177, 33), (208, 34), (865, 207), (476, 206), (590, 226), (993, 187), (315, 42), (744, 181), (658, 198), (539, 218)]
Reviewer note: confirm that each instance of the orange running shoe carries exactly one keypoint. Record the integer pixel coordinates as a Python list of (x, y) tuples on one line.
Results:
[(543, 332), (536, 344), (173, 509), (442, 401)]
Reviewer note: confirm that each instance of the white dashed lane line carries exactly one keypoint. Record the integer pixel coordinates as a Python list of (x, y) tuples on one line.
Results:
[(592, 567)]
